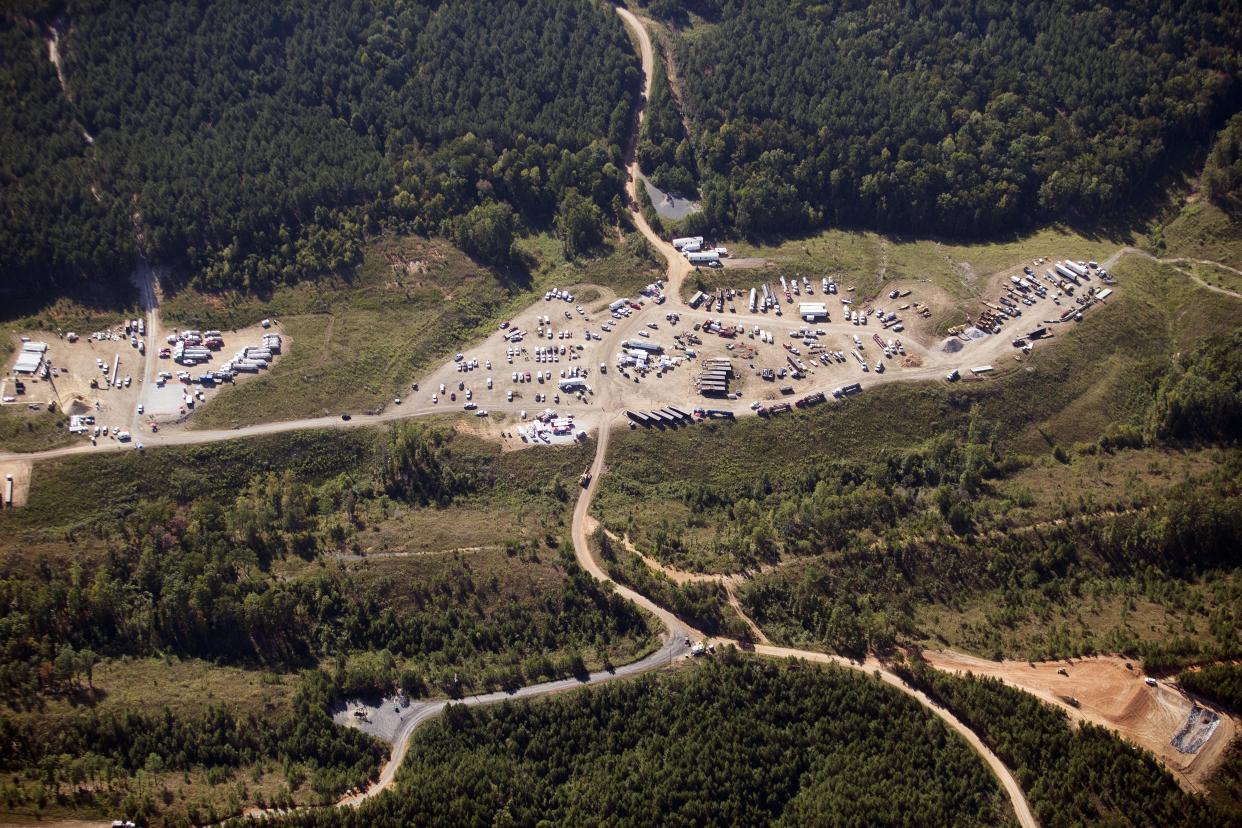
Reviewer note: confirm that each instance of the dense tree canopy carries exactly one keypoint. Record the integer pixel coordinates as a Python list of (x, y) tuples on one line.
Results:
[(1071, 776), (749, 743), (1222, 175), (1200, 398), (256, 143), (53, 227), (963, 117)]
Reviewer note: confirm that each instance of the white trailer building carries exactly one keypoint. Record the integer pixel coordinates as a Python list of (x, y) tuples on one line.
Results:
[(706, 257), (813, 311)]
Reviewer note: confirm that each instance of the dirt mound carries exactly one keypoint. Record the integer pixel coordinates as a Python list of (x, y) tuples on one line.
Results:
[(952, 345)]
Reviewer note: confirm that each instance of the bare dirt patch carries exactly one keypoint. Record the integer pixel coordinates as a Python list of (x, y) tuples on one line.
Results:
[(746, 262), (1120, 699), (20, 469)]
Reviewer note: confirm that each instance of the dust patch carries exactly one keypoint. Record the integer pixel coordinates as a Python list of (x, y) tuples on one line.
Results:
[(745, 262), (20, 469)]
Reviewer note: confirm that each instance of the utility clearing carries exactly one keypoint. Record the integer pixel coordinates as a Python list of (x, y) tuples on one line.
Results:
[(1188, 737)]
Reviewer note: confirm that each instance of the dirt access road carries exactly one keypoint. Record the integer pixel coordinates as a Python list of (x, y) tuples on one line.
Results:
[(677, 632), (1110, 695), (611, 399)]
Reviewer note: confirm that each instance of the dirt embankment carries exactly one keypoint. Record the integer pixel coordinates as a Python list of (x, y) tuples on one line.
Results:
[(1114, 696)]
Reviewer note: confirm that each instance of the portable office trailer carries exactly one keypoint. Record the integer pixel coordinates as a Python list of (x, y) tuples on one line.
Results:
[(687, 241), (706, 257)]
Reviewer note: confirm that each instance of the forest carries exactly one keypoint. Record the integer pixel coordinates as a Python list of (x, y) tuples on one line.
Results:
[(865, 596), (740, 742), (1071, 776), (255, 144), (665, 154), (248, 556), (962, 118)]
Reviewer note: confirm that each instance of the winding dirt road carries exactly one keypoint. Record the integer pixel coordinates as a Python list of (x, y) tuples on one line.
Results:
[(677, 632), (610, 403)]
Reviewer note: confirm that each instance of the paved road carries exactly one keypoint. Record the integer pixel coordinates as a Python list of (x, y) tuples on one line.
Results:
[(610, 401), (418, 713)]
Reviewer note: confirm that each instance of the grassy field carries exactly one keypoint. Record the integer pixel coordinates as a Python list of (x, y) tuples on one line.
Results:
[(622, 265), (183, 688), (1107, 615), (355, 343), (1217, 277), (81, 314), (1201, 230), (523, 507), (867, 260), (1091, 377), (77, 491), (24, 430)]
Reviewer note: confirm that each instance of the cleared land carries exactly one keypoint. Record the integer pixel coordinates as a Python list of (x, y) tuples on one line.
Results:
[(356, 344), (1109, 694), (1201, 230)]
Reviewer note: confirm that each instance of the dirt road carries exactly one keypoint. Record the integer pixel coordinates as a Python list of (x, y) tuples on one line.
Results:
[(1110, 695), (678, 267), (1112, 260), (610, 401)]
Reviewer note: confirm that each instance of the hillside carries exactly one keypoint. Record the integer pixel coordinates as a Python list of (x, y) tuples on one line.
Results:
[(192, 613), (947, 117), (253, 145), (741, 742)]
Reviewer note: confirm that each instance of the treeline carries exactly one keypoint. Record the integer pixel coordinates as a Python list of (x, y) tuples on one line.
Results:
[(1222, 174), (196, 579), (865, 596), (1199, 399), (665, 154), (1070, 776), (739, 742), (1219, 683), (808, 508), (253, 144), (91, 759), (955, 117)]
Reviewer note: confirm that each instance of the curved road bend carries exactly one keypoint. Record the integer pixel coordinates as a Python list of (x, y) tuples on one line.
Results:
[(420, 712), (677, 631)]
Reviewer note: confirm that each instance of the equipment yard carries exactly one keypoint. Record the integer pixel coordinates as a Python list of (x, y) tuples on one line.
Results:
[(567, 364)]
